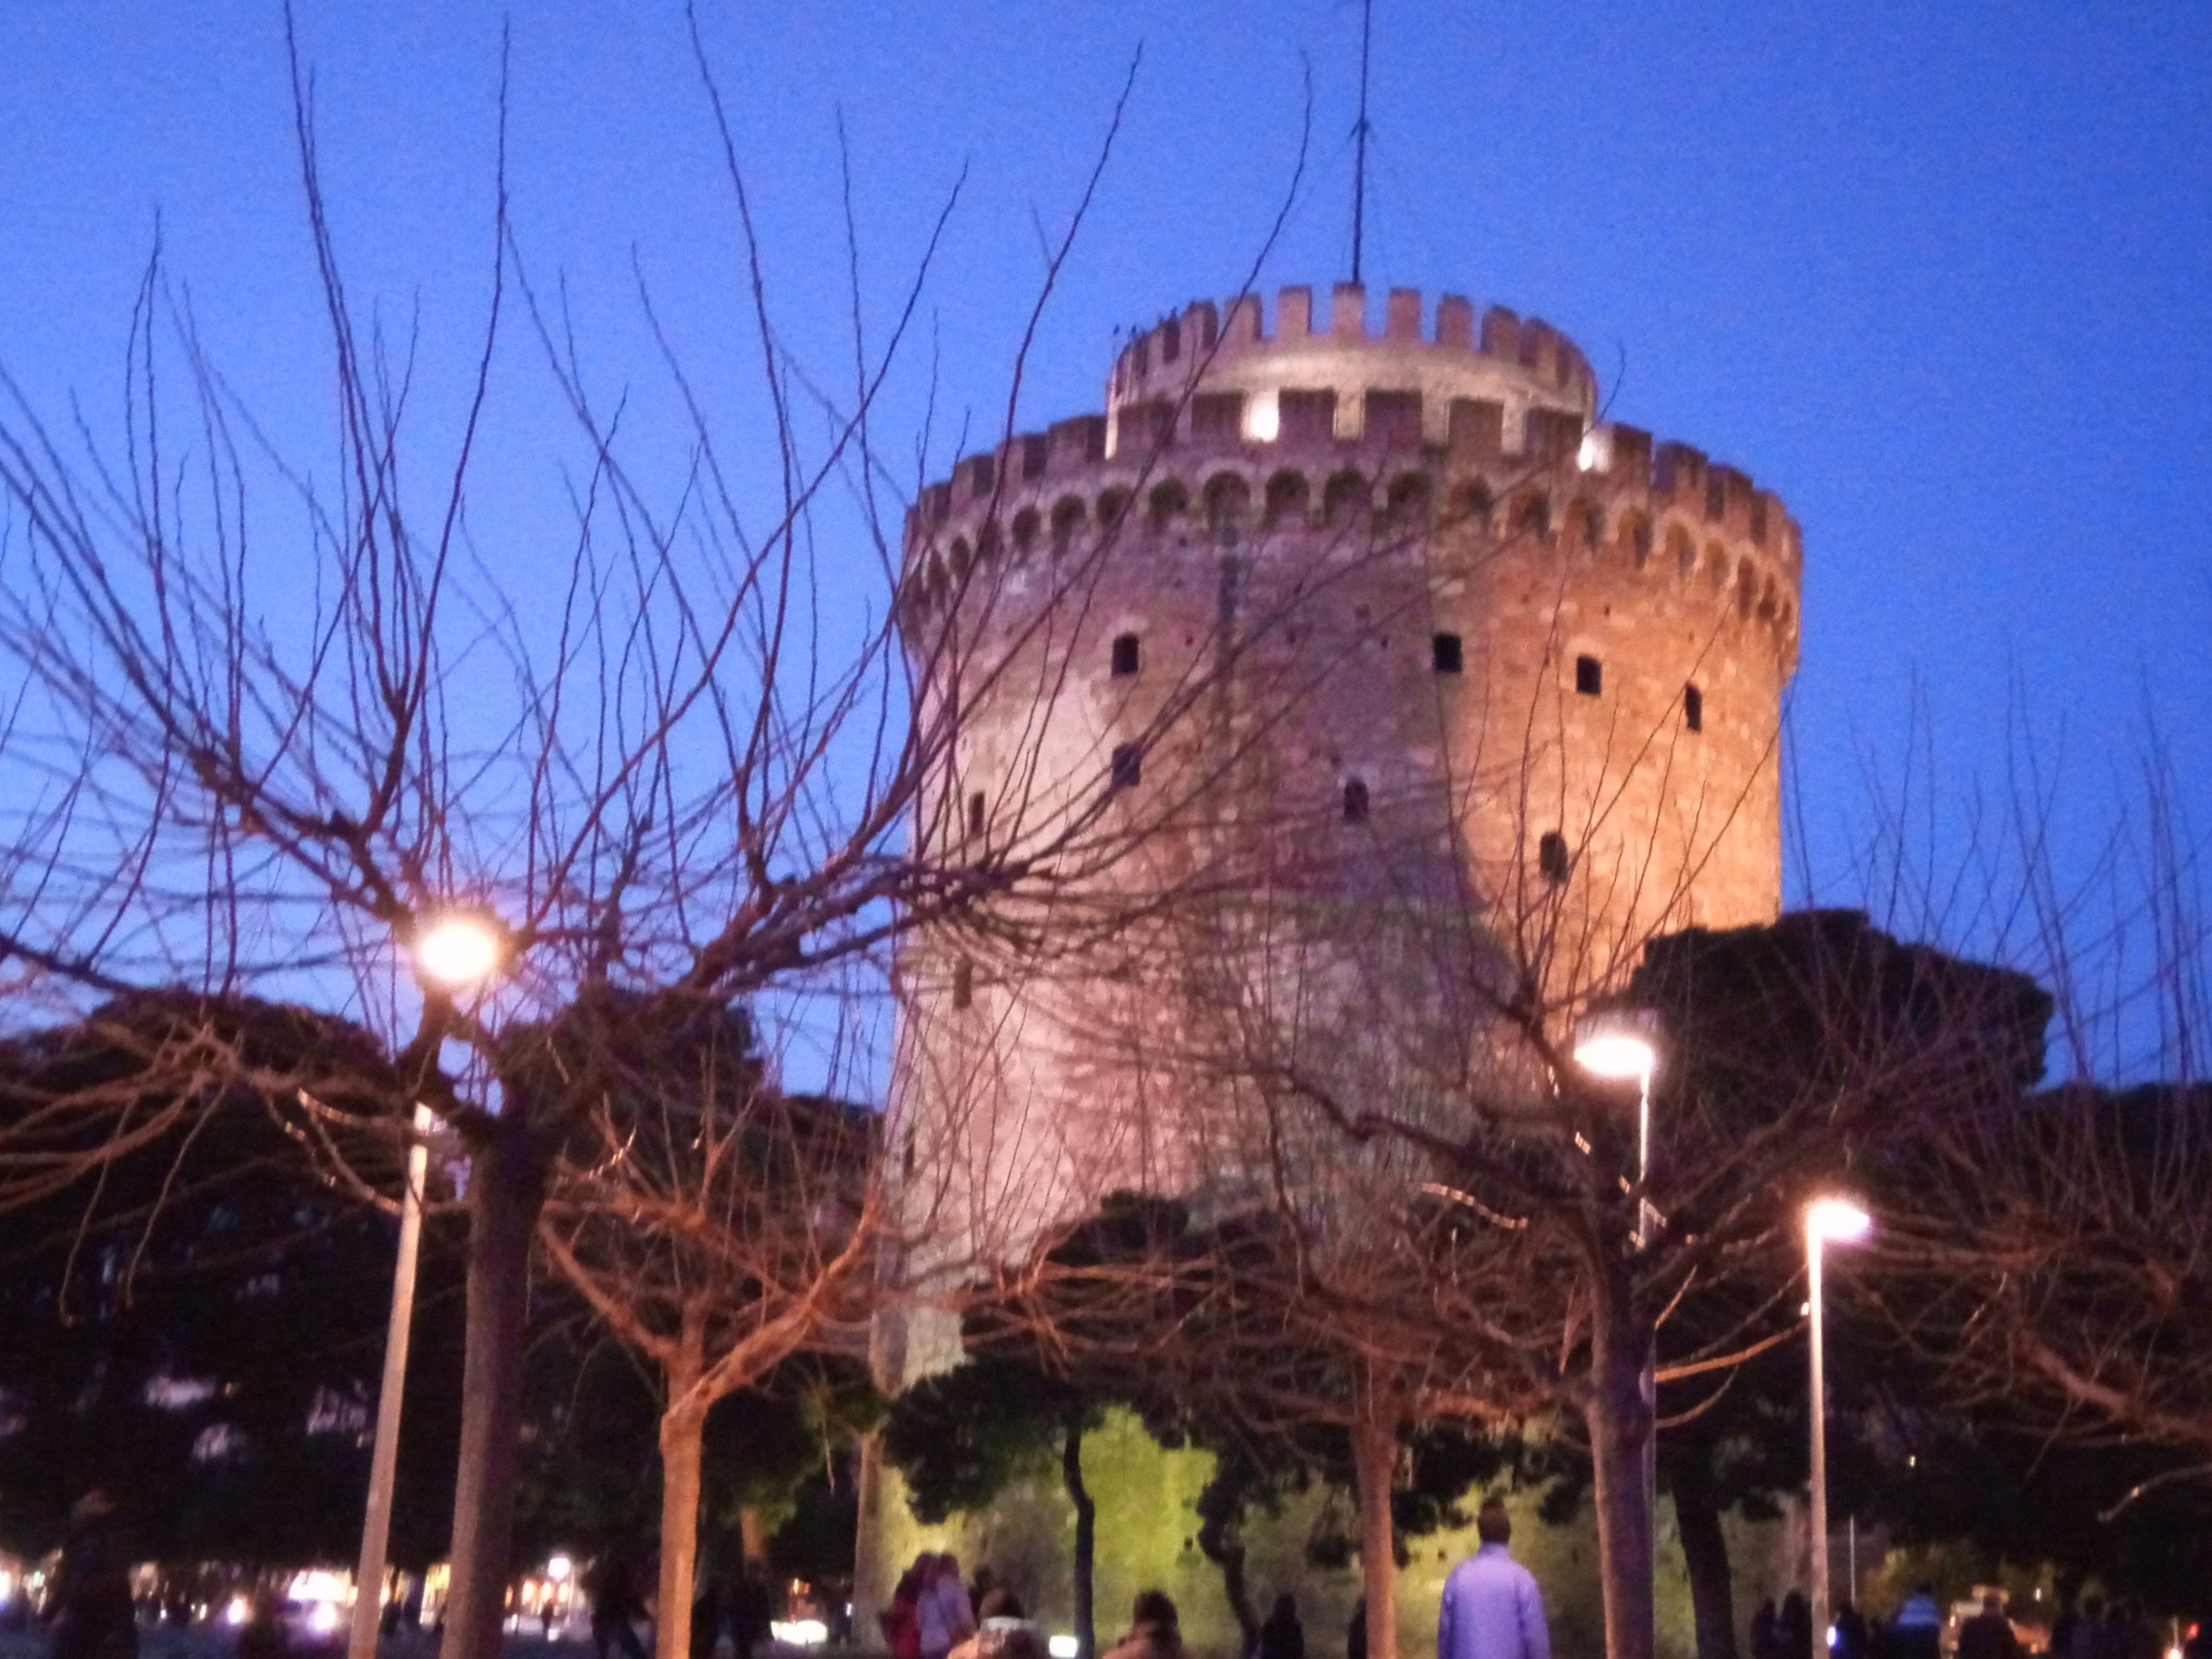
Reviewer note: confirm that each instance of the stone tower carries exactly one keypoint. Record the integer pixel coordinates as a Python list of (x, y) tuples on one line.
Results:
[(1383, 617)]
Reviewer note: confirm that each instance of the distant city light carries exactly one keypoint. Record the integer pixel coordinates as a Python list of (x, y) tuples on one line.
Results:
[(1063, 1646), (558, 1569), (799, 1632), (238, 1611)]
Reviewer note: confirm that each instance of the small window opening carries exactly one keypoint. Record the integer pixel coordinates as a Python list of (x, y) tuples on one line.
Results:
[(1589, 676), (964, 984), (1126, 655), (1355, 801), (976, 815), (1692, 708), (1128, 765), (1444, 654), (1551, 856)]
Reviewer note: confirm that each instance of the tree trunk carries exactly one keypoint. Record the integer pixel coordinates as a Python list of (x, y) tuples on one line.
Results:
[(1619, 1419), (873, 1577), (507, 1173), (1375, 1467), (1086, 1537), (683, 1436), (1227, 1555), (753, 1535), (1705, 1552)]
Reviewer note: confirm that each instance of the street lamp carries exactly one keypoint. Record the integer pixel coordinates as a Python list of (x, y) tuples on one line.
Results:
[(456, 948), (452, 950), (1827, 1221), (1617, 1045)]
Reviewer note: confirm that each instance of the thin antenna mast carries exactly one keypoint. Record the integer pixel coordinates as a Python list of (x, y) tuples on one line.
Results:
[(1359, 135)]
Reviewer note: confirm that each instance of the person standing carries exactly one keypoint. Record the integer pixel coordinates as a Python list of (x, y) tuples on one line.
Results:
[(1282, 1636), (1155, 1630), (614, 1602), (1917, 1630), (96, 1618), (1491, 1607), (1766, 1631), (1794, 1628), (1988, 1634), (941, 1611)]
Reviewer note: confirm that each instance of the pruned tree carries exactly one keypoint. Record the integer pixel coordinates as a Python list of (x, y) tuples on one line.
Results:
[(718, 1228), (294, 706)]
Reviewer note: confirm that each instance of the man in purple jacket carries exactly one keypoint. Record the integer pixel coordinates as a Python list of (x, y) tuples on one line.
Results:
[(1491, 1609)]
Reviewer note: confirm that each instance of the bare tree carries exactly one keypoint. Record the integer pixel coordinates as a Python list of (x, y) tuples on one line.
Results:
[(293, 708), (717, 1227)]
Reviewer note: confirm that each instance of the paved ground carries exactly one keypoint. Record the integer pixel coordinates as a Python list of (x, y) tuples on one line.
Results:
[(205, 1642)]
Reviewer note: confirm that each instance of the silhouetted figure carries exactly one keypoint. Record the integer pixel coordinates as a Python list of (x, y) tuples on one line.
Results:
[(263, 1636), (1988, 1634), (93, 1612), (1917, 1630), (1155, 1630), (707, 1614), (614, 1602), (749, 1613), (985, 1581), (1851, 1633), (901, 1620), (1356, 1634), (1766, 1631), (1282, 1636), (1793, 1630), (2132, 1633), (2088, 1639)]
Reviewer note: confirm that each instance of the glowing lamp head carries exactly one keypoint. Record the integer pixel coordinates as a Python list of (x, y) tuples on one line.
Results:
[(558, 1569), (458, 949), (1619, 1045), (1836, 1221)]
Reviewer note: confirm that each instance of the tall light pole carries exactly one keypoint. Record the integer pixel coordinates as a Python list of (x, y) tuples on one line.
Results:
[(1827, 1221), (450, 952), (1618, 1045)]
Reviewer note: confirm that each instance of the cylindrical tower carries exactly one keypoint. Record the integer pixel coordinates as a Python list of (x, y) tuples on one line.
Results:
[(1385, 619)]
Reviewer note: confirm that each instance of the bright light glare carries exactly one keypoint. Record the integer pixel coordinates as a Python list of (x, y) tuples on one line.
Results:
[(1262, 418), (238, 1611), (1063, 1647), (324, 1619), (1617, 1055), (1595, 455), (7, 1584), (799, 1632), (457, 949), (1836, 1221), (558, 1569)]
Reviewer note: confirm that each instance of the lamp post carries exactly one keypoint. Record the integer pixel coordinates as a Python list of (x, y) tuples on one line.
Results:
[(1618, 1045), (451, 952), (1827, 1221)]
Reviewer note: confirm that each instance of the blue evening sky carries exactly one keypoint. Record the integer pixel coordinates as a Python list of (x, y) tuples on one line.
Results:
[(1940, 274)]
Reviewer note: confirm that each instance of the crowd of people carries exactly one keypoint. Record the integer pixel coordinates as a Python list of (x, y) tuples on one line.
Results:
[(1491, 1609)]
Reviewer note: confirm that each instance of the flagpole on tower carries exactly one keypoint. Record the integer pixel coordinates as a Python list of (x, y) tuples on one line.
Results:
[(1359, 136)]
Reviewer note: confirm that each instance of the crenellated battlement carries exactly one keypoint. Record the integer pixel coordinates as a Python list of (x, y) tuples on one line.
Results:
[(1609, 493), (1204, 349)]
